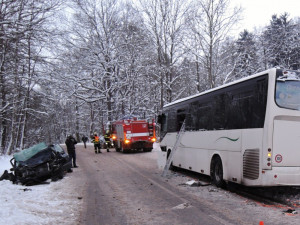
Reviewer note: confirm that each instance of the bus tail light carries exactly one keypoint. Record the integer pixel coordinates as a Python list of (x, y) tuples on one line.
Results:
[(269, 157)]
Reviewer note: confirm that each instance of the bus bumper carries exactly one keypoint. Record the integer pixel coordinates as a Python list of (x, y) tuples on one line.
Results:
[(281, 176)]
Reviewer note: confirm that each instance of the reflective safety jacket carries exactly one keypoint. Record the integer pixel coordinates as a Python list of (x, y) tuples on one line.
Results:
[(96, 140), (107, 138)]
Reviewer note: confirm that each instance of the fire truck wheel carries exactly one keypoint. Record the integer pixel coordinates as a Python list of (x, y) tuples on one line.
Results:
[(123, 150)]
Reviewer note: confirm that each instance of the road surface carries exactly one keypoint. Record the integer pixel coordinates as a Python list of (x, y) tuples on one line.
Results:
[(129, 189)]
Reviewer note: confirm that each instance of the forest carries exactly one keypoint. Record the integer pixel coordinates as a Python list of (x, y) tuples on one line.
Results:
[(69, 67)]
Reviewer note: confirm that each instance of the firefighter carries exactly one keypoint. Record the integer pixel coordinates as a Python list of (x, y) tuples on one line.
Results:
[(96, 141), (107, 140)]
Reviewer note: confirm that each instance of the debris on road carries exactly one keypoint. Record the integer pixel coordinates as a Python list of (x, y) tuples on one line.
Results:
[(290, 211), (194, 183), (26, 189), (183, 206)]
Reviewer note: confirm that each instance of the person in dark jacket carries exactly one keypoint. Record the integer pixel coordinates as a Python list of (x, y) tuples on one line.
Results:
[(84, 139), (70, 143)]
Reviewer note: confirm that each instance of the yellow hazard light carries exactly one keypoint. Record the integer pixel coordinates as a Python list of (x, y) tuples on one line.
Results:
[(153, 139), (127, 141), (114, 137)]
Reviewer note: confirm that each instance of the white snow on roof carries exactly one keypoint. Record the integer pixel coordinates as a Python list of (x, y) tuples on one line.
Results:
[(289, 76)]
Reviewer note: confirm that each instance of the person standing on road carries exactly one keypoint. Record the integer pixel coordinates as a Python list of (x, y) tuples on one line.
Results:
[(96, 141), (84, 139), (107, 140), (70, 143)]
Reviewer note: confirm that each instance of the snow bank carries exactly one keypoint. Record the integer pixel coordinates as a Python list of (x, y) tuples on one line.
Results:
[(54, 203)]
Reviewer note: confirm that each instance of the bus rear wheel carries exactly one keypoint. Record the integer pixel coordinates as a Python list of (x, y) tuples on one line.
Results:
[(217, 172)]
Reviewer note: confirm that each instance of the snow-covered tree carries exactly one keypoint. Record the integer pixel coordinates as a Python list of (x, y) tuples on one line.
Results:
[(135, 95), (23, 40), (165, 21), (281, 43), (211, 22), (246, 54)]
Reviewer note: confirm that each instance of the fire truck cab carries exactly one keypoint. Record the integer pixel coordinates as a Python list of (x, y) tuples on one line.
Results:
[(133, 134)]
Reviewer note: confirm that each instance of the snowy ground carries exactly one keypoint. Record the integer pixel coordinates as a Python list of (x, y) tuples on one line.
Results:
[(61, 201), (39, 204)]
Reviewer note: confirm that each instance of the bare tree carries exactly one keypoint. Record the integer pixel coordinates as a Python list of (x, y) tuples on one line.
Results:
[(165, 20), (210, 23)]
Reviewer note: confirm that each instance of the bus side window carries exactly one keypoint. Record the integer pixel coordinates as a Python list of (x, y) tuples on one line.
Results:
[(246, 103), (234, 112), (163, 121), (205, 116), (189, 126), (260, 103), (180, 118), (193, 119), (171, 122), (240, 108), (219, 121)]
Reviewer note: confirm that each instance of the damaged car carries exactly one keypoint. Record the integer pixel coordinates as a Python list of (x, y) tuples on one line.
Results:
[(39, 163)]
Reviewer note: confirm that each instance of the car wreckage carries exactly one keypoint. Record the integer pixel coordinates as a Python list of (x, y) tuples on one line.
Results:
[(37, 164)]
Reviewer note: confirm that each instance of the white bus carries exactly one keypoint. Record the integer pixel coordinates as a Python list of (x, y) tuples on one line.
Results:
[(247, 132)]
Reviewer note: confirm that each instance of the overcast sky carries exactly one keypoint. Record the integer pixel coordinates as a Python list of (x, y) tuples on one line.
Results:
[(258, 13)]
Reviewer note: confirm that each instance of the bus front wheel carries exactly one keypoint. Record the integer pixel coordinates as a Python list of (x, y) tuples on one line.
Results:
[(216, 172)]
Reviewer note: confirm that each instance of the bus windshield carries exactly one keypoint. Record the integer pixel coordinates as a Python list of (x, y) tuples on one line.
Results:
[(287, 94)]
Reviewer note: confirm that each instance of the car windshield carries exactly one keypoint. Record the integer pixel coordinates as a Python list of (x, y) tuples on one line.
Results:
[(287, 94)]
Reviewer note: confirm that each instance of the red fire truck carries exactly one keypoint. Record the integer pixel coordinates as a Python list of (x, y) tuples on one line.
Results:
[(133, 134)]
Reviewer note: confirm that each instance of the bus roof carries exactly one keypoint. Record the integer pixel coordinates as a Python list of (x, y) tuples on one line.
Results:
[(217, 88)]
